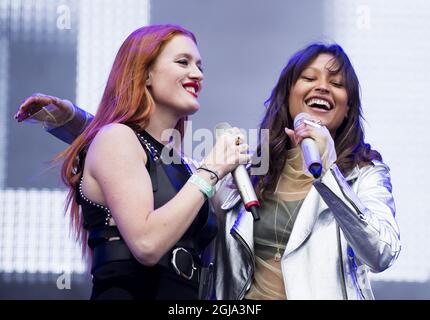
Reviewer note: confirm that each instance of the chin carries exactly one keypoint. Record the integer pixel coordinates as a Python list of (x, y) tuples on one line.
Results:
[(191, 109)]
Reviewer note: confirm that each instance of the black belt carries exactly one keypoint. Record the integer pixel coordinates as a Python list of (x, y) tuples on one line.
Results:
[(183, 262), (180, 259)]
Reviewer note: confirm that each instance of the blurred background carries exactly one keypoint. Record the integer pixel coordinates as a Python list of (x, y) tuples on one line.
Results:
[(66, 48)]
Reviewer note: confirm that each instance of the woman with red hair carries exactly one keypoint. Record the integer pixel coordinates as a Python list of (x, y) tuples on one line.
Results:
[(320, 232), (145, 218)]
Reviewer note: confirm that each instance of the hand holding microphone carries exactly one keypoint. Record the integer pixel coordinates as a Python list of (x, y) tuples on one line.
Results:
[(228, 151), (310, 150), (241, 177)]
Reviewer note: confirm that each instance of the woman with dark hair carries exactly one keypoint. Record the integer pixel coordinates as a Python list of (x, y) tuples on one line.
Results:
[(317, 238), (146, 218)]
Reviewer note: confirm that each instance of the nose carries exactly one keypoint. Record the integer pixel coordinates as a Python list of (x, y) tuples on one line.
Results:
[(323, 86), (196, 74)]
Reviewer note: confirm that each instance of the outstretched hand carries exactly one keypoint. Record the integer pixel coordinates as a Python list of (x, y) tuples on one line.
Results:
[(46, 109)]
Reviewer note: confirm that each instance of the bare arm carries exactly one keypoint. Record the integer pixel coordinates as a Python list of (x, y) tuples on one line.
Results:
[(126, 188)]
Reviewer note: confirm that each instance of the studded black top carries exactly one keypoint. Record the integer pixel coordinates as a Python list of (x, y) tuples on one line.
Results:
[(114, 265)]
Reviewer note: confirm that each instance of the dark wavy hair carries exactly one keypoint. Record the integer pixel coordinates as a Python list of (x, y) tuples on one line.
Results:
[(351, 149)]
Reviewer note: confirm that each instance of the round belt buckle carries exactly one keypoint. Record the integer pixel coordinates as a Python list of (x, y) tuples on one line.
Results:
[(175, 267)]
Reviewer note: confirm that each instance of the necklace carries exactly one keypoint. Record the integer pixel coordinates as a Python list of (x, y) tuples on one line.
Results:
[(156, 154), (278, 255)]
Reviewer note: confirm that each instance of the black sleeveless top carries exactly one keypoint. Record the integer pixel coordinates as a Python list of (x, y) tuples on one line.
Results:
[(116, 273)]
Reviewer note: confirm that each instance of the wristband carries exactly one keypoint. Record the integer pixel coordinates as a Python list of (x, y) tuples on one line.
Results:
[(203, 185)]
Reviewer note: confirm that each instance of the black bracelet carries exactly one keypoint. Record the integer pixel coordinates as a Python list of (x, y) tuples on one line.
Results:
[(213, 173)]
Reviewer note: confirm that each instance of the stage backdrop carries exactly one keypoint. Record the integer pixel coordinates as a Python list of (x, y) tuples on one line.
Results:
[(66, 48)]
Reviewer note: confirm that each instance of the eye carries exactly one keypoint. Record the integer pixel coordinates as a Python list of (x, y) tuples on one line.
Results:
[(307, 78), (183, 62), (337, 84)]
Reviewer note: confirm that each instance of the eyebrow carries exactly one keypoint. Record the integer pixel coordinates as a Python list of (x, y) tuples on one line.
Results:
[(189, 56), (312, 68), (332, 73)]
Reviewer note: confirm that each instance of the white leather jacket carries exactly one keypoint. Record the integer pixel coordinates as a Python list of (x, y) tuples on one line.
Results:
[(345, 228)]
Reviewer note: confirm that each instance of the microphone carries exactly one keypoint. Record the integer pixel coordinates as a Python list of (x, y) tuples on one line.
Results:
[(309, 148), (242, 180)]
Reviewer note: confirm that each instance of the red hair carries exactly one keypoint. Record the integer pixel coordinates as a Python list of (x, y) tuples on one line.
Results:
[(125, 100)]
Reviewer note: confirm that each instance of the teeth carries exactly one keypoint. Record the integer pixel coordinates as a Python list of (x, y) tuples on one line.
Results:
[(190, 89), (319, 101)]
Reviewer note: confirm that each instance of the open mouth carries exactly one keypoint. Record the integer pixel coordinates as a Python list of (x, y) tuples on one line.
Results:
[(192, 88), (319, 104)]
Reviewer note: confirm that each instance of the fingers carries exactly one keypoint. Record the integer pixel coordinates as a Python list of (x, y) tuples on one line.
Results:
[(234, 136), (305, 132), (301, 132), (242, 153), (239, 139), (228, 152), (243, 148), (244, 158), (290, 133), (33, 104), (234, 130)]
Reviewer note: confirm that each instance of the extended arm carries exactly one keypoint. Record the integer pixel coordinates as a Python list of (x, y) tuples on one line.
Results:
[(59, 117)]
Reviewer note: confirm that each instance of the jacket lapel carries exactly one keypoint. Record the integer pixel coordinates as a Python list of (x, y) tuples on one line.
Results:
[(308, 214), (244, 226), (305, 221)]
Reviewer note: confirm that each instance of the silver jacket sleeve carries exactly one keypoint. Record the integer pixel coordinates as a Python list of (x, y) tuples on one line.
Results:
[(366, 215)]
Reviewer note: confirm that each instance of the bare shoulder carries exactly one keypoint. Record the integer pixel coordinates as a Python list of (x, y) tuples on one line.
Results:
[(117, 135), (116, 131), (117, 139)]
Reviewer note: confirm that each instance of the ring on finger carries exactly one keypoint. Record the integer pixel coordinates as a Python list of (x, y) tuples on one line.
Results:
[(313, 123), (237, 141)]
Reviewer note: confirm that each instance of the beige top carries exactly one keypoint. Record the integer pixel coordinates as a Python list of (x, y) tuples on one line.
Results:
[(278, 213)]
